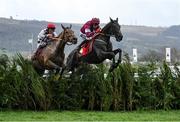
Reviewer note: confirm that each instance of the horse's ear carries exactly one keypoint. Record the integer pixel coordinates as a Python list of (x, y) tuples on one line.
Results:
[(70, 26), (62, 26), (117, 19), (111, 19)]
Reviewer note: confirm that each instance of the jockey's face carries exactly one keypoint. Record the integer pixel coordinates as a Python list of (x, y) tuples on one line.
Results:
[(51, 30), (95, 25)]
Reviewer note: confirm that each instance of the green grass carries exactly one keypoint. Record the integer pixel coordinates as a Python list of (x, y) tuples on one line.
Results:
[(90, 116)]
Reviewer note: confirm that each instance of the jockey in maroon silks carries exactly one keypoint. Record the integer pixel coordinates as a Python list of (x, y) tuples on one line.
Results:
[(89, 30)]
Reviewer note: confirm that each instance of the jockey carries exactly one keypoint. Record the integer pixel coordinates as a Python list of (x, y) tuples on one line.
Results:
[(89, 29), (46, 35)]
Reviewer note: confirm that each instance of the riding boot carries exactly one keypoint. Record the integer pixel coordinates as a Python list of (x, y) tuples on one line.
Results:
[(82, 43), (79, 46), (37, 51), (41, 46), (34, 56)]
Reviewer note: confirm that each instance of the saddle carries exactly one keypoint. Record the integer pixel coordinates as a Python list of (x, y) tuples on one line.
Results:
[(39, 50)]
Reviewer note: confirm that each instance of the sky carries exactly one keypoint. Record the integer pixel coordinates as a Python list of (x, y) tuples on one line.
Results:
[(130, 12)]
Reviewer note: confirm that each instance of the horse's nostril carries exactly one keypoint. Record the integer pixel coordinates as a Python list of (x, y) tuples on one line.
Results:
[(121, 37), (74, 38)]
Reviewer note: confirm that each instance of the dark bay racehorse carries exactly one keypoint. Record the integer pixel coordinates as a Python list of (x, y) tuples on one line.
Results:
[(102, 48), (52, 56)]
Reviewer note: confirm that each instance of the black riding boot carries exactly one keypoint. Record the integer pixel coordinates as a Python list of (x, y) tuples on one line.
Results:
[(82, 43), (79, 46)]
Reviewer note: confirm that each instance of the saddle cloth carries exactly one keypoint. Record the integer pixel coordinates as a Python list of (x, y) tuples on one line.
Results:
[(87, 48)]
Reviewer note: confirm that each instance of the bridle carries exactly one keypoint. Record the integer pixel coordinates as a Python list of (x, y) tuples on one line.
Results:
[(109, 35), (62, 39)]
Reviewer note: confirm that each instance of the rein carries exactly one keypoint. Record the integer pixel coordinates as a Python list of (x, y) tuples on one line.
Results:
[(106, 34)]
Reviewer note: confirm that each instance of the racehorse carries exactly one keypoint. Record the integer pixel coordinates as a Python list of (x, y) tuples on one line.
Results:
[(52, 56), (101, 48)]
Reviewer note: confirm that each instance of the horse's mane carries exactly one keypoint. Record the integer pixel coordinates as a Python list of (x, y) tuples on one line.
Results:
[(63, 31), (106, 26)]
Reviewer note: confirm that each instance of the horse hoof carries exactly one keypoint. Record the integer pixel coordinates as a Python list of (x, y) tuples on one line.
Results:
[(111, 69), (68, 74), (58, 70), (57, 77)]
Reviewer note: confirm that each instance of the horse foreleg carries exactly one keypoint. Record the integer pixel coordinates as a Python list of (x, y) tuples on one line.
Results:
[(120, 53), (52, 65), (62, 71), (106, 55), (114, 64)]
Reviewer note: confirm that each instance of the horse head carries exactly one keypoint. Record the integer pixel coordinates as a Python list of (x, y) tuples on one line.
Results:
[(68, 35), (113, 29)]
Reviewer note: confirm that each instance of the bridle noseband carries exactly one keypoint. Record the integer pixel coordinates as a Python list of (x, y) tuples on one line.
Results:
[(66, 42)]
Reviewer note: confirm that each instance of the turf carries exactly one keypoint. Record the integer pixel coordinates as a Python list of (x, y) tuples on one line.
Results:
[(173, 115)]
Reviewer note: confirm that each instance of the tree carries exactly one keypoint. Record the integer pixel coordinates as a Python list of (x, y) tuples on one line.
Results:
[(152, 56)]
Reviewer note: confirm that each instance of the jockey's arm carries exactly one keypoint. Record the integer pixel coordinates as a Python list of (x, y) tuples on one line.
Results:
[(88, 33), (54, 38)]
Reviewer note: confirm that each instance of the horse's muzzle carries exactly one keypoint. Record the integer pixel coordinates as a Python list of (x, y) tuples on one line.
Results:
[(74, 40), (119, 38)]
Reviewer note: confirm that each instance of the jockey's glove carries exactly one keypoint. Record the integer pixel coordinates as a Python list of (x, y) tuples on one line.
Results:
[(43, 43), (98, 30)]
